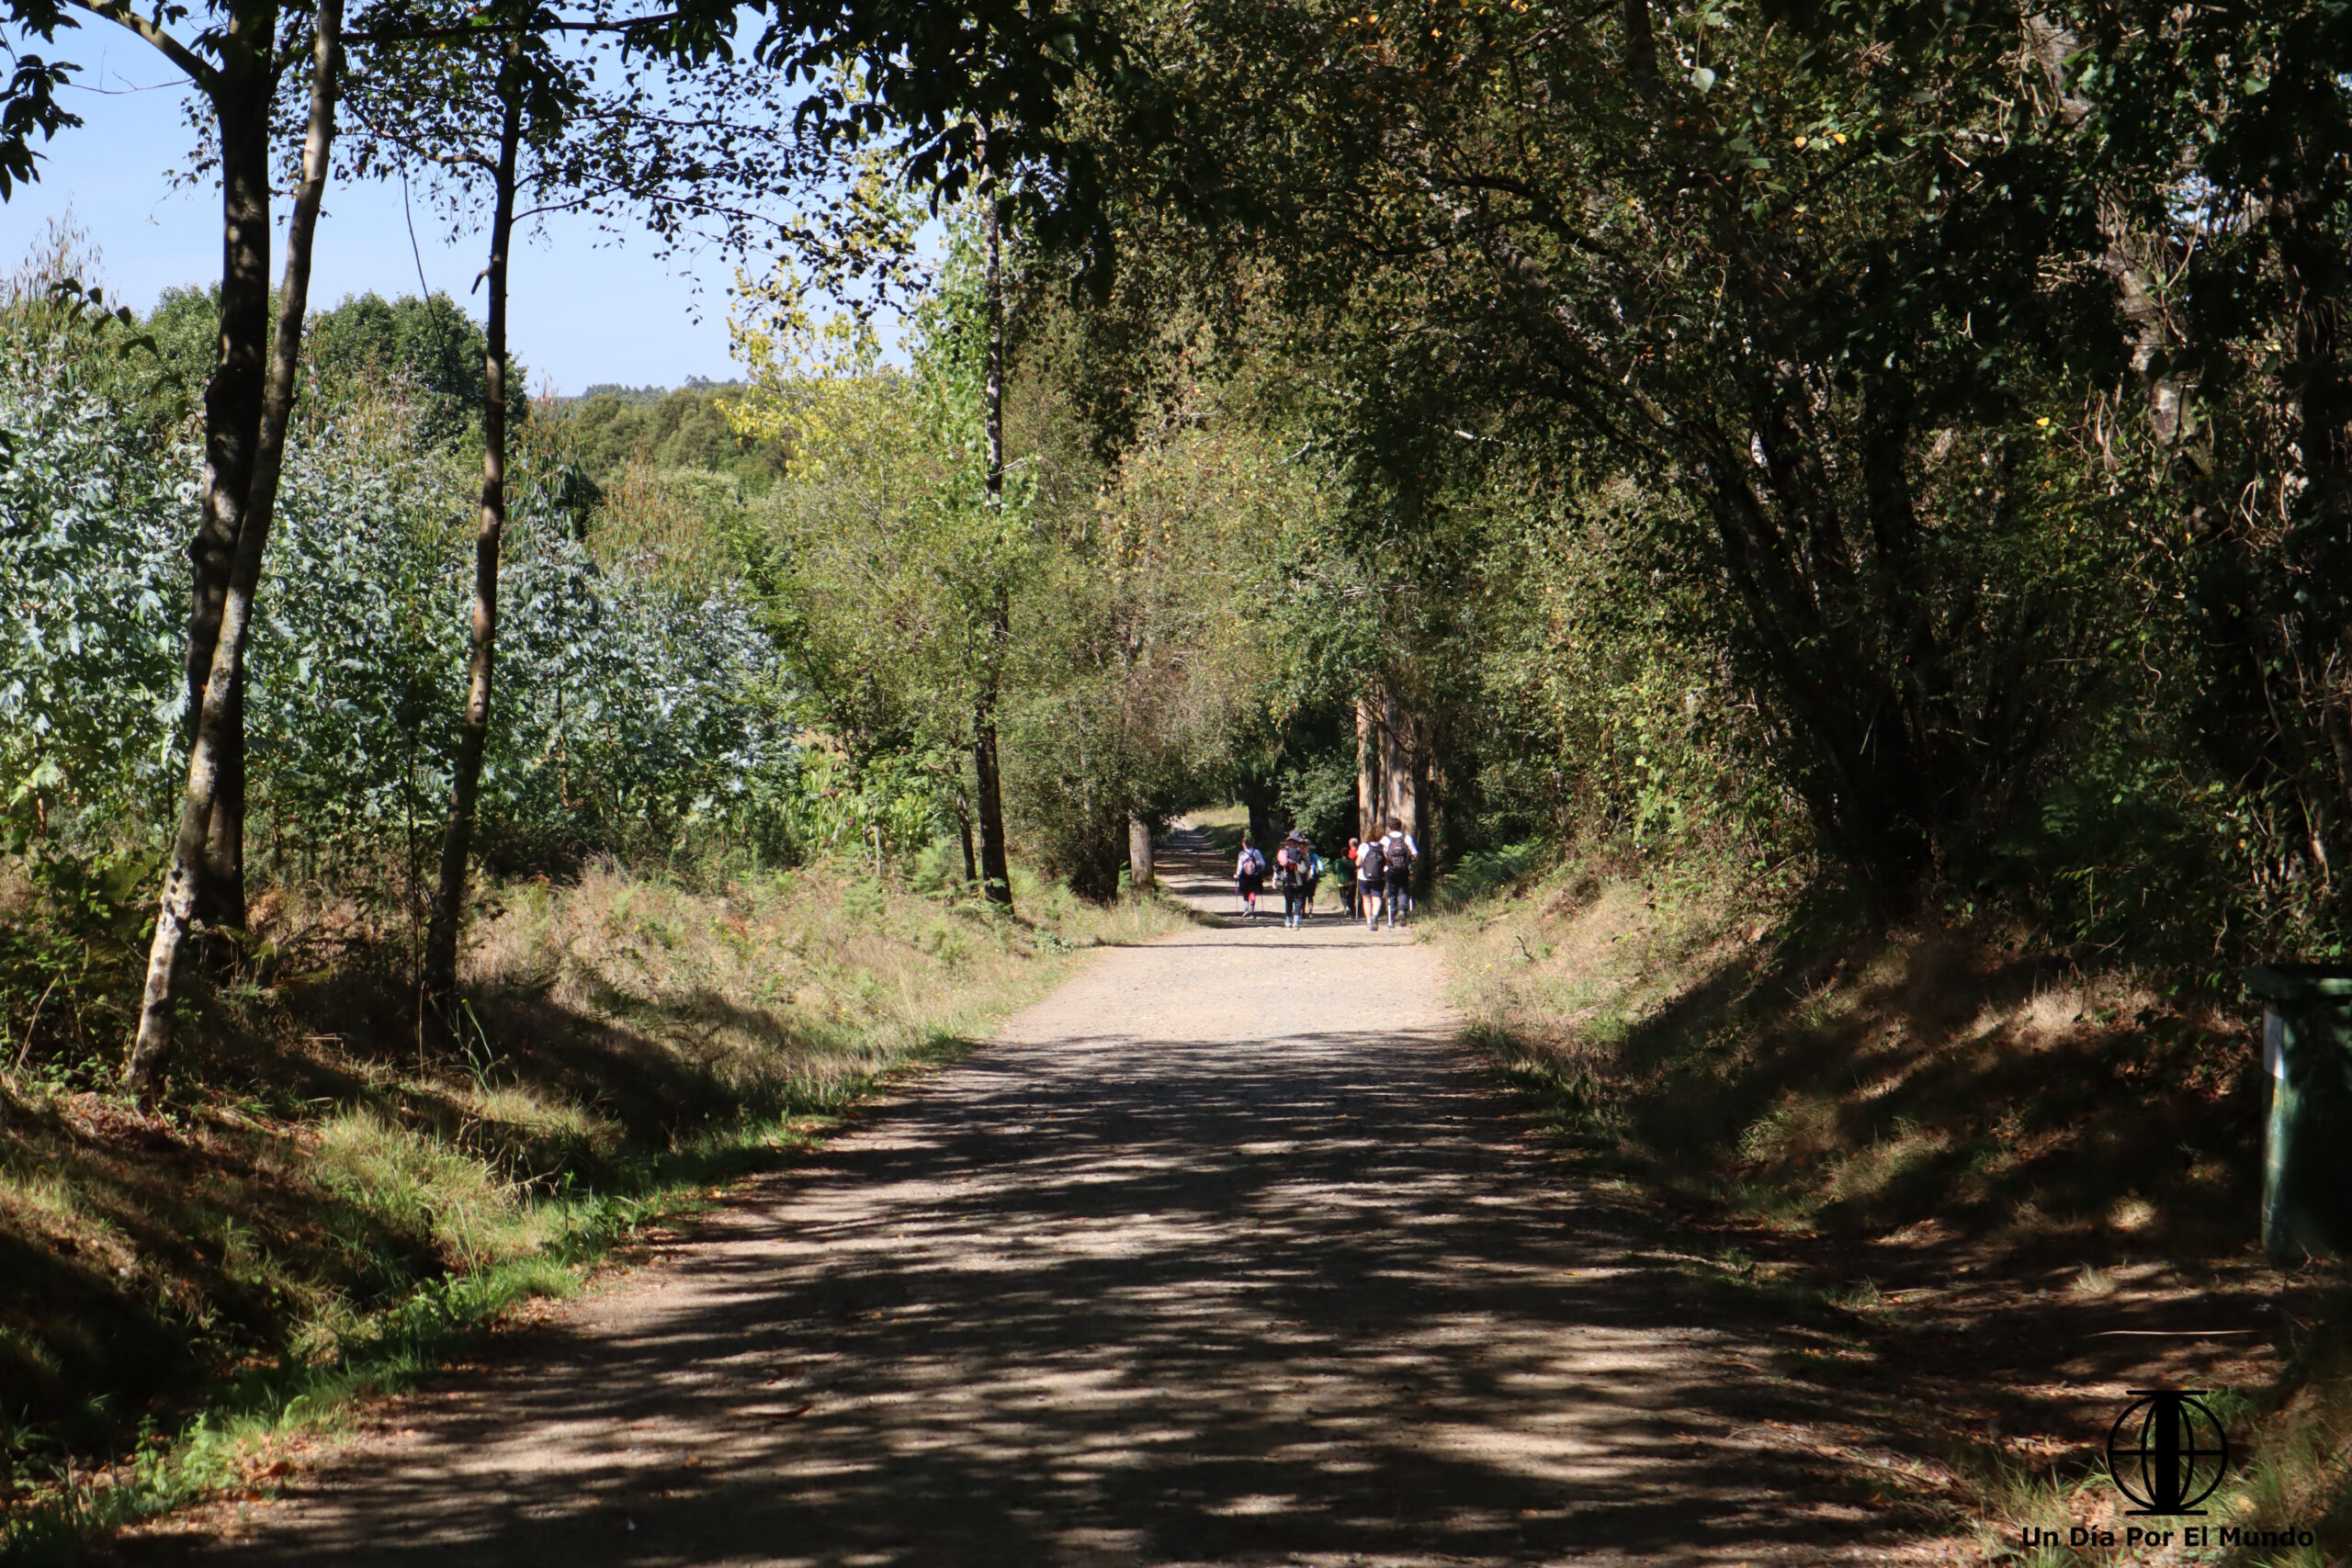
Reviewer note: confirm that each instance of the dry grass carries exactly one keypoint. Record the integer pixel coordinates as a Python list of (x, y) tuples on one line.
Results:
[(1822, 1076), (321, 1196), (2021, 1186)]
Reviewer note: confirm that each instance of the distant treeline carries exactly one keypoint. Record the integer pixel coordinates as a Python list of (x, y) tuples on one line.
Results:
[(607, 427), (433, 350)]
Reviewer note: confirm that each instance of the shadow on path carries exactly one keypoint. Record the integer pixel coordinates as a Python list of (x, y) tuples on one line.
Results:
[(1225, 1254)]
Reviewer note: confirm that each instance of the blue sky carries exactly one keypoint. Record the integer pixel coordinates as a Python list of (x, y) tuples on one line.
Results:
[(586, 308)]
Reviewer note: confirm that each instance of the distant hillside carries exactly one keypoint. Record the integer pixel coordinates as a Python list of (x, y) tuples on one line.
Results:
[(669, 428), (646, 397)]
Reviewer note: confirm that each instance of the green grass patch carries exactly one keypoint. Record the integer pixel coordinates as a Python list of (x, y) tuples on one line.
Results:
[(1223, 826)]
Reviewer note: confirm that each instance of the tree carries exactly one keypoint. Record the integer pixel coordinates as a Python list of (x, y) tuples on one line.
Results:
[(508, 117), (2225, 133), (1816, 277), (895, 542), (29, 101), (427, 344), (996, 627), (970, 95), (683, 429), (237, 62), (1153, 638), (216, 749)]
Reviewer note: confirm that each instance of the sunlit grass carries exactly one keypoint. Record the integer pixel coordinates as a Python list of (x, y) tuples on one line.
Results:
[(1778, 1054), (323, 1210), (1779, 1062)]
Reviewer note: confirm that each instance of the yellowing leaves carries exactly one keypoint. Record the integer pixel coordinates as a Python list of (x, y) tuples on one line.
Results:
[(815, 387)]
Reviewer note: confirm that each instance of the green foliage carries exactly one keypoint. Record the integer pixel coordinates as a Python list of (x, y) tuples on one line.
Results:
[(78, 926), (686, 428), (640, 712), (426, 352), (90, 536), (1135, 596), (1915, 437), (1319, 791), (1815, 280), (2131, 855), (884, 562), (1614, 669), (1147, 647), (1484, 873), (427, 347), (185, 326)]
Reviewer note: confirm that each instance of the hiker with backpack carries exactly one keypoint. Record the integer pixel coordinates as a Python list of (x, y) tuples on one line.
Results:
[(1397, 853), (1249, 876), (1295, 863), (1372, 880), (1348, 880)]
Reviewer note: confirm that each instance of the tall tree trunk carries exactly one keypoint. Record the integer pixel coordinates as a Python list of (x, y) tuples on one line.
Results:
[(441, 931), (1257, 799), (996, 868), (1431, 832), (1423, 821), (240, 95), (1140, 875), (212, 739), (1367, 770), (1397, 791)]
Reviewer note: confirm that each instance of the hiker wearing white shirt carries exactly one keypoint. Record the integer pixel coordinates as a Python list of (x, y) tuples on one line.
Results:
[(1249, 876), (1371, 879)]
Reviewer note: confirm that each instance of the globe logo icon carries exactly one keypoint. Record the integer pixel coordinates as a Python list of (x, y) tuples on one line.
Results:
[(2167, 1453)]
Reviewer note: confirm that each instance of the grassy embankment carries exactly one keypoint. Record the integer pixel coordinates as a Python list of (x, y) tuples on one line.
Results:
[(2017, 1187), (320, 1212)]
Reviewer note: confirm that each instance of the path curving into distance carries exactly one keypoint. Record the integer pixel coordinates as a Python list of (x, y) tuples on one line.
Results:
[(1226, 1253)]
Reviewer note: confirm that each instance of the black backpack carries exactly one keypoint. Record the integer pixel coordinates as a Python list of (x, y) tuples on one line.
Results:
[(1370, 866), (1399, 858)]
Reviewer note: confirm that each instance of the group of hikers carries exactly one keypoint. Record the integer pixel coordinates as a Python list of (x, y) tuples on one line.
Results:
[(1372, 887)]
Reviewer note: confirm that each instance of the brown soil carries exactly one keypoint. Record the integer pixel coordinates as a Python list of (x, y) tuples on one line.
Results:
[(1226, 1253)]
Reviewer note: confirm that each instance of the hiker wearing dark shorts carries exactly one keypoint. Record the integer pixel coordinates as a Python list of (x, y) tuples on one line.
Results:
[(1397, 852)]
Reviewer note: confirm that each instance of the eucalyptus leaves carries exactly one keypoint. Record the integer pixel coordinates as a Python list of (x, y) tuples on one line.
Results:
[(640, 711)]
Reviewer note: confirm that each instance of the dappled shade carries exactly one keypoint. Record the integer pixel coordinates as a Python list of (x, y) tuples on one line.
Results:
[(1226, 1254)]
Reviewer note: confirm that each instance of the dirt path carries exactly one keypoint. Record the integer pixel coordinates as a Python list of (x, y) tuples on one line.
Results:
[(1223, 1254)]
